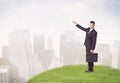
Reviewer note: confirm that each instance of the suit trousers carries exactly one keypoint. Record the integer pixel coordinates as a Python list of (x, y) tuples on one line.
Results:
[(90, 64)]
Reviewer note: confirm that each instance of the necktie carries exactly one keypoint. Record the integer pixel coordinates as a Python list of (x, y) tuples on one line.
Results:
[(90, 30)]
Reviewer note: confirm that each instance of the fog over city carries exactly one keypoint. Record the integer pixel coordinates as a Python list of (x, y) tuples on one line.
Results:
[(54, 17), (37, 35)]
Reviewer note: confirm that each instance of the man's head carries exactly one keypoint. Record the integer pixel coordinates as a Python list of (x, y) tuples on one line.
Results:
[(92, 24)]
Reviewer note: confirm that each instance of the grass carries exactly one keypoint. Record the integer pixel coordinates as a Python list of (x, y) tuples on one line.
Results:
[(77, 74)]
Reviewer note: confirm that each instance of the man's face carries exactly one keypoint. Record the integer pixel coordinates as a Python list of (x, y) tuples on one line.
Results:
[(92, 25)]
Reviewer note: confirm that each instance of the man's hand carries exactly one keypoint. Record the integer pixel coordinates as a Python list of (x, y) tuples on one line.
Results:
[(91, 51), (74, 22)]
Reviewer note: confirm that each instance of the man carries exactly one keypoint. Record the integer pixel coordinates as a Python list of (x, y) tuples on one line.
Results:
[(90, 41)]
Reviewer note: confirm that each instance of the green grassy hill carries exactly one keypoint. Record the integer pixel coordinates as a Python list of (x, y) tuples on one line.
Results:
[(77, 74)]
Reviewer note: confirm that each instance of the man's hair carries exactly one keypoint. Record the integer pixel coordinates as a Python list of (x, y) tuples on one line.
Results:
[(92, 22)]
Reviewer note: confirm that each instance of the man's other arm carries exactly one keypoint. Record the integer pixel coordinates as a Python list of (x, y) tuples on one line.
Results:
[(94, 38)]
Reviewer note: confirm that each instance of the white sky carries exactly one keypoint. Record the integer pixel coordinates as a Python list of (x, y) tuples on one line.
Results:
[(53, 17)]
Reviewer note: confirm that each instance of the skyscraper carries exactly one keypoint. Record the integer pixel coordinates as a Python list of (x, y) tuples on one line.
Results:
[(4, 76), (71, 51), (5, 55), (104, 54), (20, 52), (43, 53), (38, 43), (116, 54)]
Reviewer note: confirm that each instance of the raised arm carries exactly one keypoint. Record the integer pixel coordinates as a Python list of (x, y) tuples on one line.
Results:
[(80, 27)]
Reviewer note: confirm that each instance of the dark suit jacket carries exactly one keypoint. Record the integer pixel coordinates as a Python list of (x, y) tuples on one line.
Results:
[(90, 39)]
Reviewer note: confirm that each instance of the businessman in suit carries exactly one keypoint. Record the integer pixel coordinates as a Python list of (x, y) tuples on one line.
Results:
[(90, 41)]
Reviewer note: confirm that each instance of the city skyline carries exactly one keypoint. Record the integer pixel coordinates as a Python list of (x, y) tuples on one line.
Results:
[(41, 52)]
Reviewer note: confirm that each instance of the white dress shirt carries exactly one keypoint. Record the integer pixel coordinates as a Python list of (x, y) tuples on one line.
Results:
[(90, 30)]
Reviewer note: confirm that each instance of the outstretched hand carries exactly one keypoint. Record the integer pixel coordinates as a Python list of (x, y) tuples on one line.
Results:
[(74, 22)]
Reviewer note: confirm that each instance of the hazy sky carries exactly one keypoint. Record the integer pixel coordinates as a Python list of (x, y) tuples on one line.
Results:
[(55, 16)]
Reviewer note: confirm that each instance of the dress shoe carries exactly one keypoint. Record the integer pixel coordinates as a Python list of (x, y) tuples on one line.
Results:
[(89, 71)]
